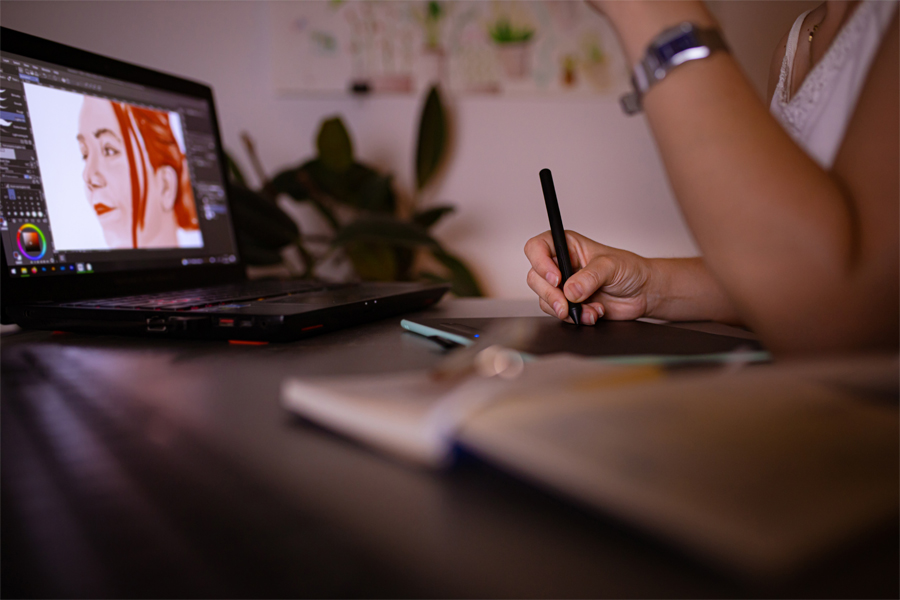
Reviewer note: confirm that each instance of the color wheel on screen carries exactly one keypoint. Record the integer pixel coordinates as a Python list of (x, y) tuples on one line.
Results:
[(31, 241)]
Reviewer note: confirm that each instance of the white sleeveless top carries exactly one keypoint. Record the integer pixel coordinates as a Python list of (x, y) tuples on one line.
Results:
[(818, 114)]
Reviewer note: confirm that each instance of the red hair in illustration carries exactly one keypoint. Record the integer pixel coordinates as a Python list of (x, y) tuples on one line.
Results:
[(148, 139)]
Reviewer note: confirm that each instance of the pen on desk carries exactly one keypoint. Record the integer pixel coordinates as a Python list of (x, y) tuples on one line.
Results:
[(559, 239)]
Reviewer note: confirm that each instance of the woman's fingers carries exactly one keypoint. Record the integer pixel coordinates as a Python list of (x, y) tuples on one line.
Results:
[(554, 303), (596, 307), (544, 276), (547, 308), (590, 313), (552, 296), (540, 253), (586, 282)]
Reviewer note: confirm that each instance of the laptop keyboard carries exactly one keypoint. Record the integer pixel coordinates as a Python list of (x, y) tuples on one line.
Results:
[(183, 300)]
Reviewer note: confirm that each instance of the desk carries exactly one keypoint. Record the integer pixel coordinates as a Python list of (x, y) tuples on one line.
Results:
[(175, 472)]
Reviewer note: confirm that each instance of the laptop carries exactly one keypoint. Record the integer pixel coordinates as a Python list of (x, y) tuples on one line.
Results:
[(115, 216)]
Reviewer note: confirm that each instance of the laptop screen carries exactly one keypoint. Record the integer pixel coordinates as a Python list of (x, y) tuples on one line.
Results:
[(101, 175)]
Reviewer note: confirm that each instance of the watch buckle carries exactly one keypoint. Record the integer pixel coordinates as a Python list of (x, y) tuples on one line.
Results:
[(631, 103)]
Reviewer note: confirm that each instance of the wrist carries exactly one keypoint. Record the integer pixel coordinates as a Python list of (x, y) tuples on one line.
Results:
[(683, 289), (638, 22), (679, 290), (658, 283)]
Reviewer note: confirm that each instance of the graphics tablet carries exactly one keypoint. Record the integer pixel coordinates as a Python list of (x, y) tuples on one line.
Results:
[(605, 339)]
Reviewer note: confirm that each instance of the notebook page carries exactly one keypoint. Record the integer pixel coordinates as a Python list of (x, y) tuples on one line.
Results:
[(761, 470)]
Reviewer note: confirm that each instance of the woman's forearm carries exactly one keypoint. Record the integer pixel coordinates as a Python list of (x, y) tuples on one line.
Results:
[(685, 290), (776, 230), (637, 22)]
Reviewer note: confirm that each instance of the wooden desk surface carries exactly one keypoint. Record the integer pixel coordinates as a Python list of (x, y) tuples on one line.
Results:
[(218, 491)]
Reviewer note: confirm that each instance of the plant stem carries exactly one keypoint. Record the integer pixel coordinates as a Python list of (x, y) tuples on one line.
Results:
[(250, 146), (319, 198), (317, 238)]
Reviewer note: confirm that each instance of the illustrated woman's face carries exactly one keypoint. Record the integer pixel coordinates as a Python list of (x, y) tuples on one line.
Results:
[(106, 170)]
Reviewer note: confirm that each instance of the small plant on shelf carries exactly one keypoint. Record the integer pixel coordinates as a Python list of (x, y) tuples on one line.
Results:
[(369, 225), (503, 32)]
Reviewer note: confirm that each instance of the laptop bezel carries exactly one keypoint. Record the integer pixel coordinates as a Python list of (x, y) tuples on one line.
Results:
[(16, 291)]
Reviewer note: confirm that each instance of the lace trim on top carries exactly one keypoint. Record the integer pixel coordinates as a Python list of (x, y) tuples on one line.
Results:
[(797, 110)]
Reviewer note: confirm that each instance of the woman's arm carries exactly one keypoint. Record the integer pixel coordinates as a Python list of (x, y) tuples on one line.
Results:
[(620, 285), (808, 257)]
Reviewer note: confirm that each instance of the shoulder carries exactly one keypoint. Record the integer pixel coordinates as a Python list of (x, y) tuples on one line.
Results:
[(874, 126), (775, 66)]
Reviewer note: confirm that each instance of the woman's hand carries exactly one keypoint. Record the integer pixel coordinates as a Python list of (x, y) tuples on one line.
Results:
[(620, 285), (609, 282)]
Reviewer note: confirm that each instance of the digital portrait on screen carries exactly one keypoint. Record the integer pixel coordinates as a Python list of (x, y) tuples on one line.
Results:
[(114, 174)]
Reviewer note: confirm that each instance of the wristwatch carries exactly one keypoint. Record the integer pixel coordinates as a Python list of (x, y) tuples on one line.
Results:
[(674, 46)]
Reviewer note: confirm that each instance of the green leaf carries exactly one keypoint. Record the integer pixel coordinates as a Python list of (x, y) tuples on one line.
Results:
[(376, 194), (385, 230), (372, 261), (253, 254), (430, 277), (291, 182), (288, 182), (257, 202), (309, 261), (326, 180), (326, 213), (426, 218), (432, 138), (261, 220), (463, 282), (334, 145), (503, 32), (235, 171), (403, 258), (358, 186)]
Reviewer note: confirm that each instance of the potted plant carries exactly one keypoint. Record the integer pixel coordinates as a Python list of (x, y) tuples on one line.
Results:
[(513, 48), (596, 64), (369, 226)]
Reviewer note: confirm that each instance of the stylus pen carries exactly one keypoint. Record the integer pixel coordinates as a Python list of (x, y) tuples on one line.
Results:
[(559, 239)]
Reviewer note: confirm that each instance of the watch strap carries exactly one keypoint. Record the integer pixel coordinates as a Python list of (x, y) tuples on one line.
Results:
[(651, 69)]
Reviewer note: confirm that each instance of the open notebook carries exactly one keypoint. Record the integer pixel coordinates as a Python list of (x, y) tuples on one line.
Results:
[(760, 469)]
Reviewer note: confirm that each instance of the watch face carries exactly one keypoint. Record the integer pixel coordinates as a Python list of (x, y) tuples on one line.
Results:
[(666, 51)]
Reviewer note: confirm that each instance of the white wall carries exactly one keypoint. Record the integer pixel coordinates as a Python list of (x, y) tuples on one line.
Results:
[(608, 176)]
